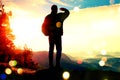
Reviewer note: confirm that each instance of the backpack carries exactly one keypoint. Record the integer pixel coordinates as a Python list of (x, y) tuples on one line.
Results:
[(49, 25), (48, 21), (45, 29)]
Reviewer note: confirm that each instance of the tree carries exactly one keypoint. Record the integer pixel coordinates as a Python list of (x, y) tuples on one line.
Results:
[(24, 58), (6, 36), (8, 50), (27, 57)]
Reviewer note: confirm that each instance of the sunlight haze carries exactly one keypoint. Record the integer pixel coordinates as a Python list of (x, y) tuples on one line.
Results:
[(85, 30)]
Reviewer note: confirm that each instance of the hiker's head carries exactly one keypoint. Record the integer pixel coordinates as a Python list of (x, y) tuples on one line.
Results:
[(54, 9)]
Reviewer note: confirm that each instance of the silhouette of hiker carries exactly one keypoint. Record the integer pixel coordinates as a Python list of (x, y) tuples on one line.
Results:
[(53, 27)]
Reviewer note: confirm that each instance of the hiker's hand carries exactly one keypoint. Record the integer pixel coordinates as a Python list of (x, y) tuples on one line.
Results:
[(62, 9)]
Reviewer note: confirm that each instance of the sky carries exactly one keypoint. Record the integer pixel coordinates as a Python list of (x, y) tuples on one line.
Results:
[(93, 25)]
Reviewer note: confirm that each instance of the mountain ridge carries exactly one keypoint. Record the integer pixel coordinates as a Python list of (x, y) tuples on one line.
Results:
[(41, 57)]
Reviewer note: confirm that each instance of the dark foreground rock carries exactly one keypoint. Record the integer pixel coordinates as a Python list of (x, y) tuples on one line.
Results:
[(56, 74), (49, 74), (77, 75)]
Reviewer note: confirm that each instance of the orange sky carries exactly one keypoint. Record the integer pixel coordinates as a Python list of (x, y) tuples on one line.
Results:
[(85, 30)]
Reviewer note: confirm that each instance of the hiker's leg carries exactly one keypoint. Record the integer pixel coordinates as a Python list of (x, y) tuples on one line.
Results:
[(59, 51)]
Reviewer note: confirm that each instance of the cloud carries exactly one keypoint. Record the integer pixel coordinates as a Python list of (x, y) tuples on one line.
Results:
[(111, 1), (59, 2), (32, 6), (26, 3)]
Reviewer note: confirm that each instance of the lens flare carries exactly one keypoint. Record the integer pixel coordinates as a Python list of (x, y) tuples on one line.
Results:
[(104, 59), (19, 70), (103, 52), (3, 76), (12, 63), (105, 79), (66, 75), (58, 24), (76, 9), (101, 63), (8, 71), (80, 61)]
